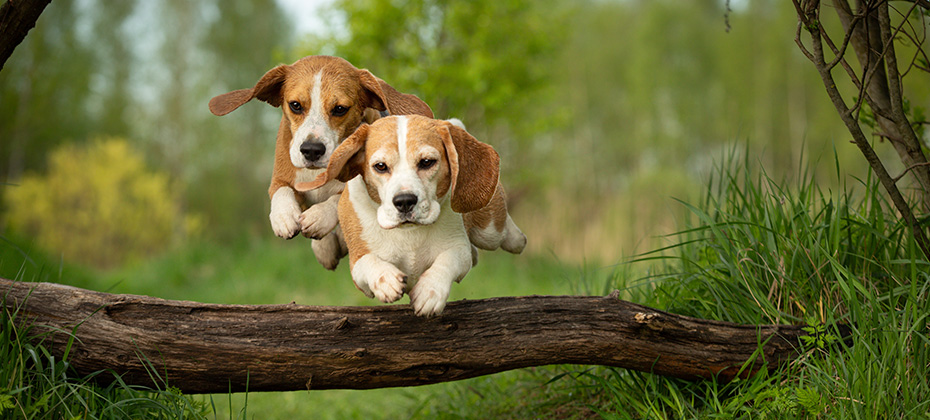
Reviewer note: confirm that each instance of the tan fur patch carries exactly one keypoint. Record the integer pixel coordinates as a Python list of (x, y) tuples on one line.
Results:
[(351, 229), (495, 211)]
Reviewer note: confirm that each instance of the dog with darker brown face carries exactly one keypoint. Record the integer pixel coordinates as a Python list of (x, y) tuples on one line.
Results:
[(323, 100)]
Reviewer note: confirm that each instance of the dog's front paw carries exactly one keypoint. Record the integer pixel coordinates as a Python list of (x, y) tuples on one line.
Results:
[(379, 279), (284, 213), (318, 221), (429, 296), (389, 285)]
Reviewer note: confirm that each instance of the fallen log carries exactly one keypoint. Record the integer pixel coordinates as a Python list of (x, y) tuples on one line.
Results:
[(211, 348)]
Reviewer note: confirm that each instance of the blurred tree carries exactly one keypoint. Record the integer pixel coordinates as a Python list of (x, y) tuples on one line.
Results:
[(110, 98), (486, 62), (245, 141), (146, 71), (209, 48), (42, 91)]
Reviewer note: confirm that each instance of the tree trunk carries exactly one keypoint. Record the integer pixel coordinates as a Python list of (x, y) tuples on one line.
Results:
[(17, 17), (210, 348)]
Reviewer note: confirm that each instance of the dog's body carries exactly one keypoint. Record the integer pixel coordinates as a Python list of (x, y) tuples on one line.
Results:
[(323, 99), (427, 191)]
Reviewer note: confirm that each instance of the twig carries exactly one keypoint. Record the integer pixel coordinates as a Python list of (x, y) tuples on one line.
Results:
[(898, 178)]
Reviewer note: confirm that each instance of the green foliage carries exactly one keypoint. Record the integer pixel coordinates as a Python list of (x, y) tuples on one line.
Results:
[(762, 251), (818, 336), (98, 204), (455, 56)]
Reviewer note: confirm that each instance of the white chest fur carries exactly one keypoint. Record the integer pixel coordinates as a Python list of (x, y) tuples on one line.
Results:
[(411, 248)]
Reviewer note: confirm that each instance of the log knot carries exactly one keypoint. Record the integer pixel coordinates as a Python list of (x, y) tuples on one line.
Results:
[(650, 320), (343, 323)]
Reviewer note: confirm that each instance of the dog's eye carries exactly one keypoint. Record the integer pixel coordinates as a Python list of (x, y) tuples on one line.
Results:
[(380, 167), (339, 110), (295, 107), (425, 164)]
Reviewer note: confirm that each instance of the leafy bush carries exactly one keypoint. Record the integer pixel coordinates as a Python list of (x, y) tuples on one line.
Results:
[(98, 204)]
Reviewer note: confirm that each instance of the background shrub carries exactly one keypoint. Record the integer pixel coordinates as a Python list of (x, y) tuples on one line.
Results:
[(98, 204)]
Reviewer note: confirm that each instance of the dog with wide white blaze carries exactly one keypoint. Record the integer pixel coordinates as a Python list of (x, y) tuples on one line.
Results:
[(323, 100), (419, 194)]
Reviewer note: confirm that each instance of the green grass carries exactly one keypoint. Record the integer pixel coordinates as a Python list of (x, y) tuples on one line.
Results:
[(35, 384), (761, 252), (756, 251)]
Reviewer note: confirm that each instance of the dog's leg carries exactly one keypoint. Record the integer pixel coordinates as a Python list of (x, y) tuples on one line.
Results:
[(327, 251), (320, 219), (284, 213), (378, 278), (514, 239), (428, 297)]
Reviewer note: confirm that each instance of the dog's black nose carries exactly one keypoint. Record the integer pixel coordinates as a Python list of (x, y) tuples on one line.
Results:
[(405, 202), (312, 150)]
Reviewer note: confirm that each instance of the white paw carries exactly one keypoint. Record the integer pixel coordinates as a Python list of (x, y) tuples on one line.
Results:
[(389, 285), (318, 221), (284, 213), (514, 239), (378, 278), (429, 296)]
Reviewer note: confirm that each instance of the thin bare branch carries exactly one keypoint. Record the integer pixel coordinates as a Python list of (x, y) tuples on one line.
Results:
[(797, 40), (912, 36), (923, 3), (909, 168)]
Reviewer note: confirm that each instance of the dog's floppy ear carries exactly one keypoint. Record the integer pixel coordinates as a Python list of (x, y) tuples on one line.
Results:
[(473, 166), (383, 97), (267, 89), (346, 162)]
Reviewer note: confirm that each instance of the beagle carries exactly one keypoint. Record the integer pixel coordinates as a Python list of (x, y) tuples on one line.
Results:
[(323, 99), (428, 190)]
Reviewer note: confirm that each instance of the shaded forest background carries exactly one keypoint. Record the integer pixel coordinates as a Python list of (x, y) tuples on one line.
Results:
[(603, 112)]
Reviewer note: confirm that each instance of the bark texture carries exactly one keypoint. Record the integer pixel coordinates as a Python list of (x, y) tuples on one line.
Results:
[(210, 348), (17, 17)]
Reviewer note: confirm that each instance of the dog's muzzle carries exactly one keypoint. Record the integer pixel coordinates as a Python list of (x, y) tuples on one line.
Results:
[(312, 150)]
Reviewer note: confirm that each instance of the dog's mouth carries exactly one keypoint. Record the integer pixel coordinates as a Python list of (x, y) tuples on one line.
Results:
[(315, 165), (406, 221)]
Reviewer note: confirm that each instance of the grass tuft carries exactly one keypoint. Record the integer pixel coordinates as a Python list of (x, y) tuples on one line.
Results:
[(35, 384), (762, 253)]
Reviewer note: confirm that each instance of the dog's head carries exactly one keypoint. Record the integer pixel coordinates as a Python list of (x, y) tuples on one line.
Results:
[(324, 99), (411, 165)]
